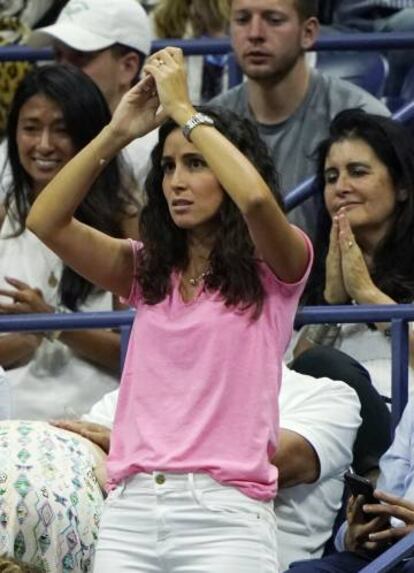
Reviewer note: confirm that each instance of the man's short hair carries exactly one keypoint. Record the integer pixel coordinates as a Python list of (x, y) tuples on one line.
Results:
[(119, 50), (307, 9)]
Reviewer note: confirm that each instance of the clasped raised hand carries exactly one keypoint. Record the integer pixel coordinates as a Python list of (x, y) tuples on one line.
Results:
[(335, 292), (167, 67), (347, 274), (138, 112), (162, 93)]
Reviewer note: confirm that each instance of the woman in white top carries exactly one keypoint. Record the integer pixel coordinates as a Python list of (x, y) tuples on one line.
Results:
[(57, 110)]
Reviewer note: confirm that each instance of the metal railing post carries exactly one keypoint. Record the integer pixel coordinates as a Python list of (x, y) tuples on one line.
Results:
[(400, 363)]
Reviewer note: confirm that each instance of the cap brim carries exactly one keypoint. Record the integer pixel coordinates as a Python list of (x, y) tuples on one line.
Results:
[(73, 36)]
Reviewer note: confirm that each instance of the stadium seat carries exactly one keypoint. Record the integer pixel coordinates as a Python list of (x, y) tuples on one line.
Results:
[(407, 88), (326, 10), (367, 70)]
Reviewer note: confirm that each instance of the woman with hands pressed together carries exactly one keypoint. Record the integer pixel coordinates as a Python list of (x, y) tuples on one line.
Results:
[(366, 235), (216, 280)]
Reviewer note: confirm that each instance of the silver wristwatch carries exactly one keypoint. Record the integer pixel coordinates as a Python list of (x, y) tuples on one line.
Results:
[(196, 119)]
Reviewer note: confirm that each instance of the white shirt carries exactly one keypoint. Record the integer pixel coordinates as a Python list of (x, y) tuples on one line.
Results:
[(55, 383), (373, 350), (5, 398), (137, 156)]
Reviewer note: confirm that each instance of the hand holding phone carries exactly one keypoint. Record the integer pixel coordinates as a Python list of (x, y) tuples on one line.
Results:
[(359, 485)]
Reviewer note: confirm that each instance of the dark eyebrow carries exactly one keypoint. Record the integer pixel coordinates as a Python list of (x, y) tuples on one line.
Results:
[(35, 119), (359, 164), (350, 164), (193, 156), (185, 156), (268, 12)]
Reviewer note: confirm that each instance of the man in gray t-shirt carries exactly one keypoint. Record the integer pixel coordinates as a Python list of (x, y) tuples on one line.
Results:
[(291, 104)]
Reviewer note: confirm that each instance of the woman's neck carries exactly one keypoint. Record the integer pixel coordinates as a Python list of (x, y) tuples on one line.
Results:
[(200, 245), (35, 190)]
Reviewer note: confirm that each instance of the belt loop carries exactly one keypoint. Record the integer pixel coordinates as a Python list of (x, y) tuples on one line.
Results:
[(198, 496), (193, 488)]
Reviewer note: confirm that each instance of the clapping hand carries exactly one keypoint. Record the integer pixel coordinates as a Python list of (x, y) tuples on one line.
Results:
[(25, 299)]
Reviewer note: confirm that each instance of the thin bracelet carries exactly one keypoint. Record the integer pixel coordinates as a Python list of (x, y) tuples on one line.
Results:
[(101, 160)]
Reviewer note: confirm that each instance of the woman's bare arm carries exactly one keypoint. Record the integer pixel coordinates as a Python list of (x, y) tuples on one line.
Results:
[(103, 260), (281, 245), (16, 349)]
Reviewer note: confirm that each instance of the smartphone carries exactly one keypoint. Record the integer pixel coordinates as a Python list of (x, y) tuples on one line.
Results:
[(359, 485)]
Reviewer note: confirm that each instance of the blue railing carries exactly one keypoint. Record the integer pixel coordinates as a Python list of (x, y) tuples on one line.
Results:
[(398, 315), (354, 41), (362, 41)]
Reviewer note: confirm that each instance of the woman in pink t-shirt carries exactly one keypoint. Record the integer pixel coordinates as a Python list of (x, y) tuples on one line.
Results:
[(216, 278)]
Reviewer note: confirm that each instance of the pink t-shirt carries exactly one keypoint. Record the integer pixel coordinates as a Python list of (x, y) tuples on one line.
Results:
[(200, 385)]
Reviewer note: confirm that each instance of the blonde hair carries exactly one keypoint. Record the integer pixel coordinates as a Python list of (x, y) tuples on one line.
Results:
[(178, 18)]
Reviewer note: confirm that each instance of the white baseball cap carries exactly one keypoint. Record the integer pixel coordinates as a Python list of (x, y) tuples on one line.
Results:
[(89, 25)]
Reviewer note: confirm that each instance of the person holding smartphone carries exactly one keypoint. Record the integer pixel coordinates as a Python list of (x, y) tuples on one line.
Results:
[(370, 528)]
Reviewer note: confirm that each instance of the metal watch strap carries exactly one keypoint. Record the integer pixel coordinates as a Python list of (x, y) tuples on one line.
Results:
[(196, 119)]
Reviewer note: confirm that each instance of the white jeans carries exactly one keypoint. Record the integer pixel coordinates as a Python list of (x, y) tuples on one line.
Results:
[(185, 523)]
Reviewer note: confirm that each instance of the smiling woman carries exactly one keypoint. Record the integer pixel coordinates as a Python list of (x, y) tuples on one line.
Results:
[(366, 233), (359, 184), (57, 373), (43, 141)]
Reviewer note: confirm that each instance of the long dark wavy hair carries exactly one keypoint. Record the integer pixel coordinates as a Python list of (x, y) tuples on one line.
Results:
[(233, 269), (392, 143), (85, 113)]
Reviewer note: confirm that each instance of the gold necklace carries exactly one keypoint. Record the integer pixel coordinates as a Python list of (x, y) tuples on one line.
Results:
[(194, 281)]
